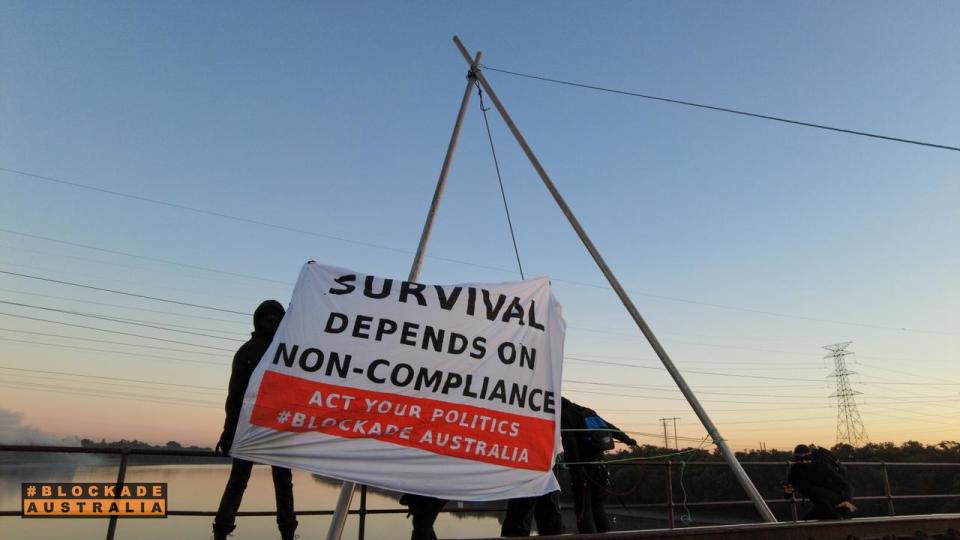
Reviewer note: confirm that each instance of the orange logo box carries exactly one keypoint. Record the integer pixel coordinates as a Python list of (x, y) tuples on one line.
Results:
[(93, 499)]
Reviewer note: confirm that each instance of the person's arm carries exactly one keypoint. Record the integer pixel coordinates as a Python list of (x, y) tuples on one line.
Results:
[(619, 435), (790, 485), (569, 442), (235, 390)]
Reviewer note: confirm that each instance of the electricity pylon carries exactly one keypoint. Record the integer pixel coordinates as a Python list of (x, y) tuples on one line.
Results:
[(850, 428)]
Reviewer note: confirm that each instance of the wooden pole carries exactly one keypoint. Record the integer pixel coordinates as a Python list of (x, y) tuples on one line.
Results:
[(339, 519), (728, 454)]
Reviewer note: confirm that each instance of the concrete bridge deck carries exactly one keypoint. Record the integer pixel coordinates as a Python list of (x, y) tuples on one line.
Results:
[(934, 526)]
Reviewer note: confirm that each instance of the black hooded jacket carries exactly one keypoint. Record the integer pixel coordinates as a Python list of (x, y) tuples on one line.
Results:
[(571, 425), (810, 478), (244, 362)]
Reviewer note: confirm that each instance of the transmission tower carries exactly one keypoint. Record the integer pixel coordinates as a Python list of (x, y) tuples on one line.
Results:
[(850, 428)]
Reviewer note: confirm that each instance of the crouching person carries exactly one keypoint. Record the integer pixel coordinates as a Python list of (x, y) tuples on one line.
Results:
[(820, 477)]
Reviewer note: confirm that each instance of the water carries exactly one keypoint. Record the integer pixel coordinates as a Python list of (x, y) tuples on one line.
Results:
[(198, 487)]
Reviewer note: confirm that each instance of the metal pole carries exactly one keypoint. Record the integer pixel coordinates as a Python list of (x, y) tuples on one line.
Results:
[(339, 518), (442, 181), (670, 504), (728, 454), (121, 476), (794, 507), (886, 489), (361, 531), (676, 444)]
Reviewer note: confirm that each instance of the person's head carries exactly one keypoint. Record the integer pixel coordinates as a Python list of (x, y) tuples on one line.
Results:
[(802, 453), (565, 403), (267, 317)]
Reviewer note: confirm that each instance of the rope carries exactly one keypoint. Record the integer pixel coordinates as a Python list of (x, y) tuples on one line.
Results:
[(686, 517), (724, 109), (496, 165), (636, 458)]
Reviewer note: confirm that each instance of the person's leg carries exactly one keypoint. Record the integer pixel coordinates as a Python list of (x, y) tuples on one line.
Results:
[(597, 486), (824, 502), (519, 516), (424, 511), (547, 513), (225, 521), (821, 510), (581, 500), (283, 491)]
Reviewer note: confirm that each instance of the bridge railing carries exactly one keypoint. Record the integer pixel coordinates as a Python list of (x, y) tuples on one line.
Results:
[(669, 504)]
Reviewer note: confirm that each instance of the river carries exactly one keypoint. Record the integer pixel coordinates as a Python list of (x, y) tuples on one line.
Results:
[(198, 487)]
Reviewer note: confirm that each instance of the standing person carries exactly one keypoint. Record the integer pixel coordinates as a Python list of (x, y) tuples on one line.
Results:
[(266, 319), (586, 436), (818, 476), (522, 511), (424, 511)]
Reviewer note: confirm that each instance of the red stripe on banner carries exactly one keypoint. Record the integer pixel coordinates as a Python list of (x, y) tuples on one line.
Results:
[(287, 403)]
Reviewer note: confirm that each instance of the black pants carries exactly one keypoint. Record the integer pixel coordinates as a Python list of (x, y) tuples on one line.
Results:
[(225, 521), (825, 503), (520, 512), (589, 496), (424, 511)]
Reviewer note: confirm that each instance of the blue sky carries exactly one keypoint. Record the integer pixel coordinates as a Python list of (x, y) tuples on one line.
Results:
[(334, 118)]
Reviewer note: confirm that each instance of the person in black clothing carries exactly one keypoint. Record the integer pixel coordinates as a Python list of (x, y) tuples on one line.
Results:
[(266, 319), (522, 511), (828, 490), (424, 511), (587, 473)]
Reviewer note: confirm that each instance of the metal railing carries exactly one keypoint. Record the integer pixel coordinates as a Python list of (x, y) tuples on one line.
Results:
[(670, 503)]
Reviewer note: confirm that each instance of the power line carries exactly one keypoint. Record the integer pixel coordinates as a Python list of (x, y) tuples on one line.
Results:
[(907, 411), (122, 353), (691, 371), (743, 394), (657, 368), (674, 389), (114, 386), (86, 376), (800, 404), (139, 268), (761, 311), (238, 218), (724, 109), (241, 313), (60, 390), (114, 332), (633, 337), (49, 280), (637, 396), (119, 306), (139, 280), (133, 322), (138, 345), (446, 259), (141, 257)]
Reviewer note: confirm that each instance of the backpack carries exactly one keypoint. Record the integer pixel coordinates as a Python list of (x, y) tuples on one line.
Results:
[(597, 441), (826, 458)]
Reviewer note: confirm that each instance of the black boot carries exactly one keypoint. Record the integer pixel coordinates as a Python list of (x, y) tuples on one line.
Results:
[(220, 532), (287, 533)]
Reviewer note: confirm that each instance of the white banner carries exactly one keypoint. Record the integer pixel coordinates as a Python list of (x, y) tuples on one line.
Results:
[(447, 391)]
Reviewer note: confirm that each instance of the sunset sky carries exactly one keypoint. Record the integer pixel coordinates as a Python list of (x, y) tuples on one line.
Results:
[(316, 131)]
